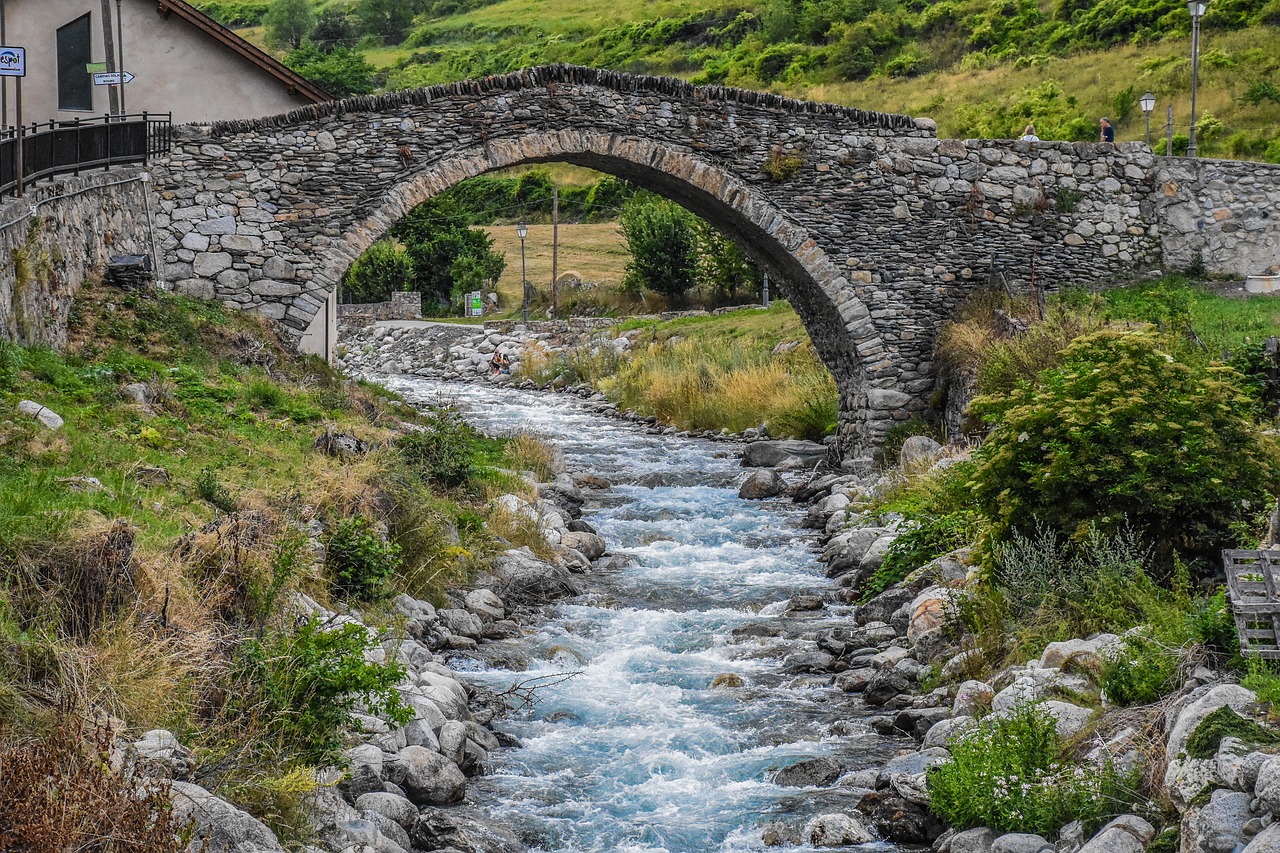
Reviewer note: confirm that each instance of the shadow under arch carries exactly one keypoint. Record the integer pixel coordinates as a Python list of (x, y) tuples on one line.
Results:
[(837, 321)]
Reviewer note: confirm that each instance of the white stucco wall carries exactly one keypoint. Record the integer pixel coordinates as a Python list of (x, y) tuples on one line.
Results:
[(178, 68)]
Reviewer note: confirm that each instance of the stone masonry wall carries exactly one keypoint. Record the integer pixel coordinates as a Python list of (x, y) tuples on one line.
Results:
[(1226, 212), (876, 228), (55, 236), (402, 306)]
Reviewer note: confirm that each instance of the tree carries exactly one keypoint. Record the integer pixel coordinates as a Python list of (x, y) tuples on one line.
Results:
[(383, 269), (449, 256), (289, 22), (663, 243), (388, 20), (1125, 435), (342, 72), (722, 266), (333, 30)]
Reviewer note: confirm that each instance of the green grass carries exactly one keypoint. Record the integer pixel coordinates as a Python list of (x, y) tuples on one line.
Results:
[(1223, 317)]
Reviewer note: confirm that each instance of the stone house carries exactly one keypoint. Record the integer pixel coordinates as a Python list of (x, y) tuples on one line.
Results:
[(182, 61)]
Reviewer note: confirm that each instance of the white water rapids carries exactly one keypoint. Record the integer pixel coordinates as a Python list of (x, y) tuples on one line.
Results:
[(638, 752)]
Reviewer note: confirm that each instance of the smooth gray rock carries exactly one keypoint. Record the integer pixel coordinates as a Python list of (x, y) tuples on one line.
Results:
[(764, 454), (453, 741), (462, 622), (972, 698), (1267, 841), (223, 827), (485, 604), (918, 450), (521, 578), (1021, 842), (1267, 786), (590, 545), (944, 731), (977, 840), (47, 417), (1126, 834), (391, 806), (427, 777)]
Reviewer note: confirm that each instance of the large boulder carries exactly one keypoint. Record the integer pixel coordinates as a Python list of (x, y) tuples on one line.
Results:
[(452, 829), (427, 778), (918, 450), (391, 806), (589, 545), (976, 840), (761, 485), (1021, 842), (521, 578), (767, 454), (220, 826), (1185, 776), (1218, 825)]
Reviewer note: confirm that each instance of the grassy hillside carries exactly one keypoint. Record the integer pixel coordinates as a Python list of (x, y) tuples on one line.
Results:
[(981, 67)]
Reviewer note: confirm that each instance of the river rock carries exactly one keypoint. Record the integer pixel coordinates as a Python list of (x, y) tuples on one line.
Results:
[(1126, 834), (160, 749), (1069, 720), (900, 820), (1057, 654), (453, 830), (1021, 842), (972, 699), (453, 741), (886, 685), (485, 604), (461, 622), (977, 840), (762, 484), (944, 731), (812, 773), (917, 722), (766, 454), (523, 579), (391, 806), (1267, 786), (1185, 777), (836, 830), (589, 545), (1267, 841), (427, 777), (221, 826)]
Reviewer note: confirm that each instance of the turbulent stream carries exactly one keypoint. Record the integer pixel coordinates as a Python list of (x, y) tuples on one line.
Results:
[(637, 751)]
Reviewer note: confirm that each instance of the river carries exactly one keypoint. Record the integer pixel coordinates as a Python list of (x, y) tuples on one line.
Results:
[(637, 751)]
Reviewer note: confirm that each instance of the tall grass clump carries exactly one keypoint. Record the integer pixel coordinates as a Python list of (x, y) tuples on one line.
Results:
[(734, 385)]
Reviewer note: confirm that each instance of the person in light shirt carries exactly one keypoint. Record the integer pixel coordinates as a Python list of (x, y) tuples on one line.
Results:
[(1029, 135)]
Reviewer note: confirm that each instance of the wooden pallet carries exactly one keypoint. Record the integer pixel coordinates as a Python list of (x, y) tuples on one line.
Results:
[(1253, 587)]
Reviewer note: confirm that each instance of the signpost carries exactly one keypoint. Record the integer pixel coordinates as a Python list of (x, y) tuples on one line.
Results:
[(475, 304), (13, 63), (111, 78)]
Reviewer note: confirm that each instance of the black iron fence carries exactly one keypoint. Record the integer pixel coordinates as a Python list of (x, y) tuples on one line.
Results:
[(70, 147)]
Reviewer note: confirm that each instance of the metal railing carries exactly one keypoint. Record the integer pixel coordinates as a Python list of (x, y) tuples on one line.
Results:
[(70, 147)]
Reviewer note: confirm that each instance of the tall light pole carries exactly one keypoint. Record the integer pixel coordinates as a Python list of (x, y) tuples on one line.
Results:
[(523, 231), (1148, 103), (1197, 9)]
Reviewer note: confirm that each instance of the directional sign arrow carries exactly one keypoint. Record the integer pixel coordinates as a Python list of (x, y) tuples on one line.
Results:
[(111, 78)]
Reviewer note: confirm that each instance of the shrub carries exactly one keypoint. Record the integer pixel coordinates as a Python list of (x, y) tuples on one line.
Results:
[(359, 561), (383, 269), (663, 243), (311, 681), (1006, 774), (61, 793), (1124, 434), (444, 452), (780, 166), (209, 488), (1139, 671), (933, 536)]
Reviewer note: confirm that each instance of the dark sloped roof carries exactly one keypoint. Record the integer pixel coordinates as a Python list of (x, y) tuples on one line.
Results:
[(296, 83)]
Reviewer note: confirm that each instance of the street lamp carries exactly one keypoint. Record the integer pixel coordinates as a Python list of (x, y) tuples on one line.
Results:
[(1197, 9), (1148, 103), (523, 231)]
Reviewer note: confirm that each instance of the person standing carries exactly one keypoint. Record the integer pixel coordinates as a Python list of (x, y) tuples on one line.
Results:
[(1029, 135), (1108, 133)]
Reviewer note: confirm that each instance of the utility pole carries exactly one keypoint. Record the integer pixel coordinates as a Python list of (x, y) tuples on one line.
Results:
[(109, 47), (120, 47), (4, 81), (764, 289), (555, 246)]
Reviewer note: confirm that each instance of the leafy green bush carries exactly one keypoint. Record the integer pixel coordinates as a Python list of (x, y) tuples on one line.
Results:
[(359, 561), (311, 681), (1006, 774), (663, 243), (383, 269), (1139, 671), (1125, 434), (444, 452), (933, 536)]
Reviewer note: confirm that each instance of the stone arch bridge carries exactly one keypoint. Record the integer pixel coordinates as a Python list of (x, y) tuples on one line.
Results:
[(877, 227)]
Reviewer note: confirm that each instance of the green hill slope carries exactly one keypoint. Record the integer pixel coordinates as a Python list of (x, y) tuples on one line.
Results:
[(981, 67)]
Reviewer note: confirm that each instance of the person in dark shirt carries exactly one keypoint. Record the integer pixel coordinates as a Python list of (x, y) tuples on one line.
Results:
[(1108, 132)]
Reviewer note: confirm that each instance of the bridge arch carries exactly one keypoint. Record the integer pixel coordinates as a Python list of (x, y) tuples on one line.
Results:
[(838, 322)]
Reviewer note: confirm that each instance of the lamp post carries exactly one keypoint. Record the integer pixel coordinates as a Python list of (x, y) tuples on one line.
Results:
[(523, 231), (120, 48), (1197, 9), (1148, 103)]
